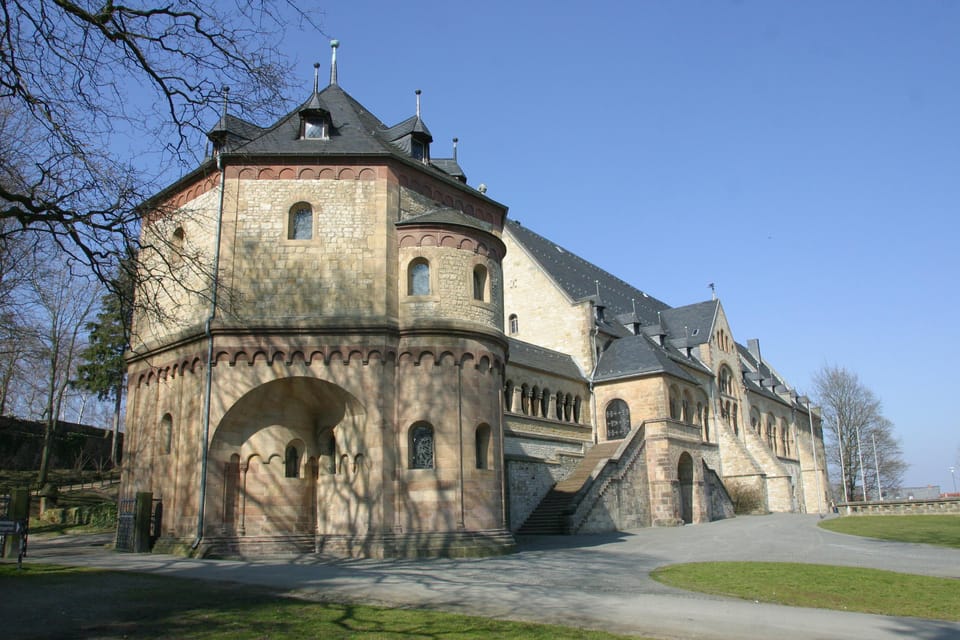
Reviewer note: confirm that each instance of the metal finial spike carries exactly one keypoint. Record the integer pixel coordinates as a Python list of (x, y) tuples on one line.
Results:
[(226, 95), (455, 141), (316, 77), (418, 92), (333, 61)]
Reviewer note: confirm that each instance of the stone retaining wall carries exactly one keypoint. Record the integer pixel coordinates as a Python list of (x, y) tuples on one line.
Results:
[(901, 507)]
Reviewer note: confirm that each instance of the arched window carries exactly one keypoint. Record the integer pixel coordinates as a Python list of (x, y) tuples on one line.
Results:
[(618, 419), (674, 403), (726, 380), (508, 396), (166, 432), (300, 223), (291, 462), (576, 409), (686, 408), (418, 277), (525, 399), (545, 403), (514, 324), (706, 424), (567, 407), (177, 241), (479, 282), (535, 401), (421, 446), (344, 464), (559, 406), (482, 438)]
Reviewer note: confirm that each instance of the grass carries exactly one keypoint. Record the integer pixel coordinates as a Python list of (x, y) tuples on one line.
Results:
[(93, 603), (933, 529), (821, 586)]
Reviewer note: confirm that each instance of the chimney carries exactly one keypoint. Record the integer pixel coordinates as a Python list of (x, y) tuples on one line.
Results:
[(753, 346)]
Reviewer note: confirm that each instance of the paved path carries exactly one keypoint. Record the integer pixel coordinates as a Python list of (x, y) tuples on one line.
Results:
[(587, 581)]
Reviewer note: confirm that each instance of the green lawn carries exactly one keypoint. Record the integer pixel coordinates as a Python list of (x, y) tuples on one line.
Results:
[(821, 586), (92, 603), (940, 530)]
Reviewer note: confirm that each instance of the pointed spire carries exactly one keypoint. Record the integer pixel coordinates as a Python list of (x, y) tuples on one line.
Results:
[(333, 61), (418, 92), (316, 77), (455, 141)]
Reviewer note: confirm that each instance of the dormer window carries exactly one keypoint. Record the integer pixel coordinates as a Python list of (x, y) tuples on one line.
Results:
[(314, 128), (418, 149)]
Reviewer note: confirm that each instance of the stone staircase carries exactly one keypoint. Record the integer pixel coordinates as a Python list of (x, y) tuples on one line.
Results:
[(549, 518)]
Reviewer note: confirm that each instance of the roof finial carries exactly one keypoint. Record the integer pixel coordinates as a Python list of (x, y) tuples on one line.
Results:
[(226, 94), (455, 141), (597, 282), (713, 290), (316, 77), (333, 61), (418, 102)]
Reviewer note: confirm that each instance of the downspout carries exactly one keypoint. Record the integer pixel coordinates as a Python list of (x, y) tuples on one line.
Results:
[(594, 333), (461, 524), (208, 388)]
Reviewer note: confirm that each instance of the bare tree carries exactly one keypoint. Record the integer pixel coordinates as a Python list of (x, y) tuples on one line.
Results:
[(85, 85), (860, 441), (58, 305)]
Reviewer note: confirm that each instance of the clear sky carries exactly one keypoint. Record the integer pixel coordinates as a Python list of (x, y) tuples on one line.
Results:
[(803, 156)]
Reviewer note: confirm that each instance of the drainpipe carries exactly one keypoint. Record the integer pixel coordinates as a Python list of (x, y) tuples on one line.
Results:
[(208, 388)]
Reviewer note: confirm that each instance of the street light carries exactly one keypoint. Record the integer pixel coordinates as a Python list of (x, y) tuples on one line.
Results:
[(952, 469)]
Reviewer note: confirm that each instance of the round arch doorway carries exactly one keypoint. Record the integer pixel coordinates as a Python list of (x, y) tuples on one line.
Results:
[(272, 450)]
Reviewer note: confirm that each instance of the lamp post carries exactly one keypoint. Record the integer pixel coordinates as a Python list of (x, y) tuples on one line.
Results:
[(876, 466), (952, 469)]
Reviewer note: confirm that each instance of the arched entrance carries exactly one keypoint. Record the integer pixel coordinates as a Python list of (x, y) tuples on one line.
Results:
[(275, 452), (685, 476)]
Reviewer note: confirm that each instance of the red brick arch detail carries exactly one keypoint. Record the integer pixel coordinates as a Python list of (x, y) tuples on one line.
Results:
[(287, 173)]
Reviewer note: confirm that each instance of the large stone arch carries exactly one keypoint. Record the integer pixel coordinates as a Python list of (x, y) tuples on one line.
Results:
[(265, 499)]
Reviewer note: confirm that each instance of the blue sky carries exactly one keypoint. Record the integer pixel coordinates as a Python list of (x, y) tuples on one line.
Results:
[(805, 157)]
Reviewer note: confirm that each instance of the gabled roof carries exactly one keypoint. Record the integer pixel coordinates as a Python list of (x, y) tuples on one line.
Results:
[(450, 167), (413, 124), (578, 278), (532, 356), (690, 325), (635, 356)]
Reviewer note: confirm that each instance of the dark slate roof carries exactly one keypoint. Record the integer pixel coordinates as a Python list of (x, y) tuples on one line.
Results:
[(530, 355), (447, 215), (578, 278), (637, 355), (413, 124), (450, 167), (354, 131), (690, 325)]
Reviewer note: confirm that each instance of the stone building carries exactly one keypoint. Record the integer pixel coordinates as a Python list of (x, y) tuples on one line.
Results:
[(346, 348)]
